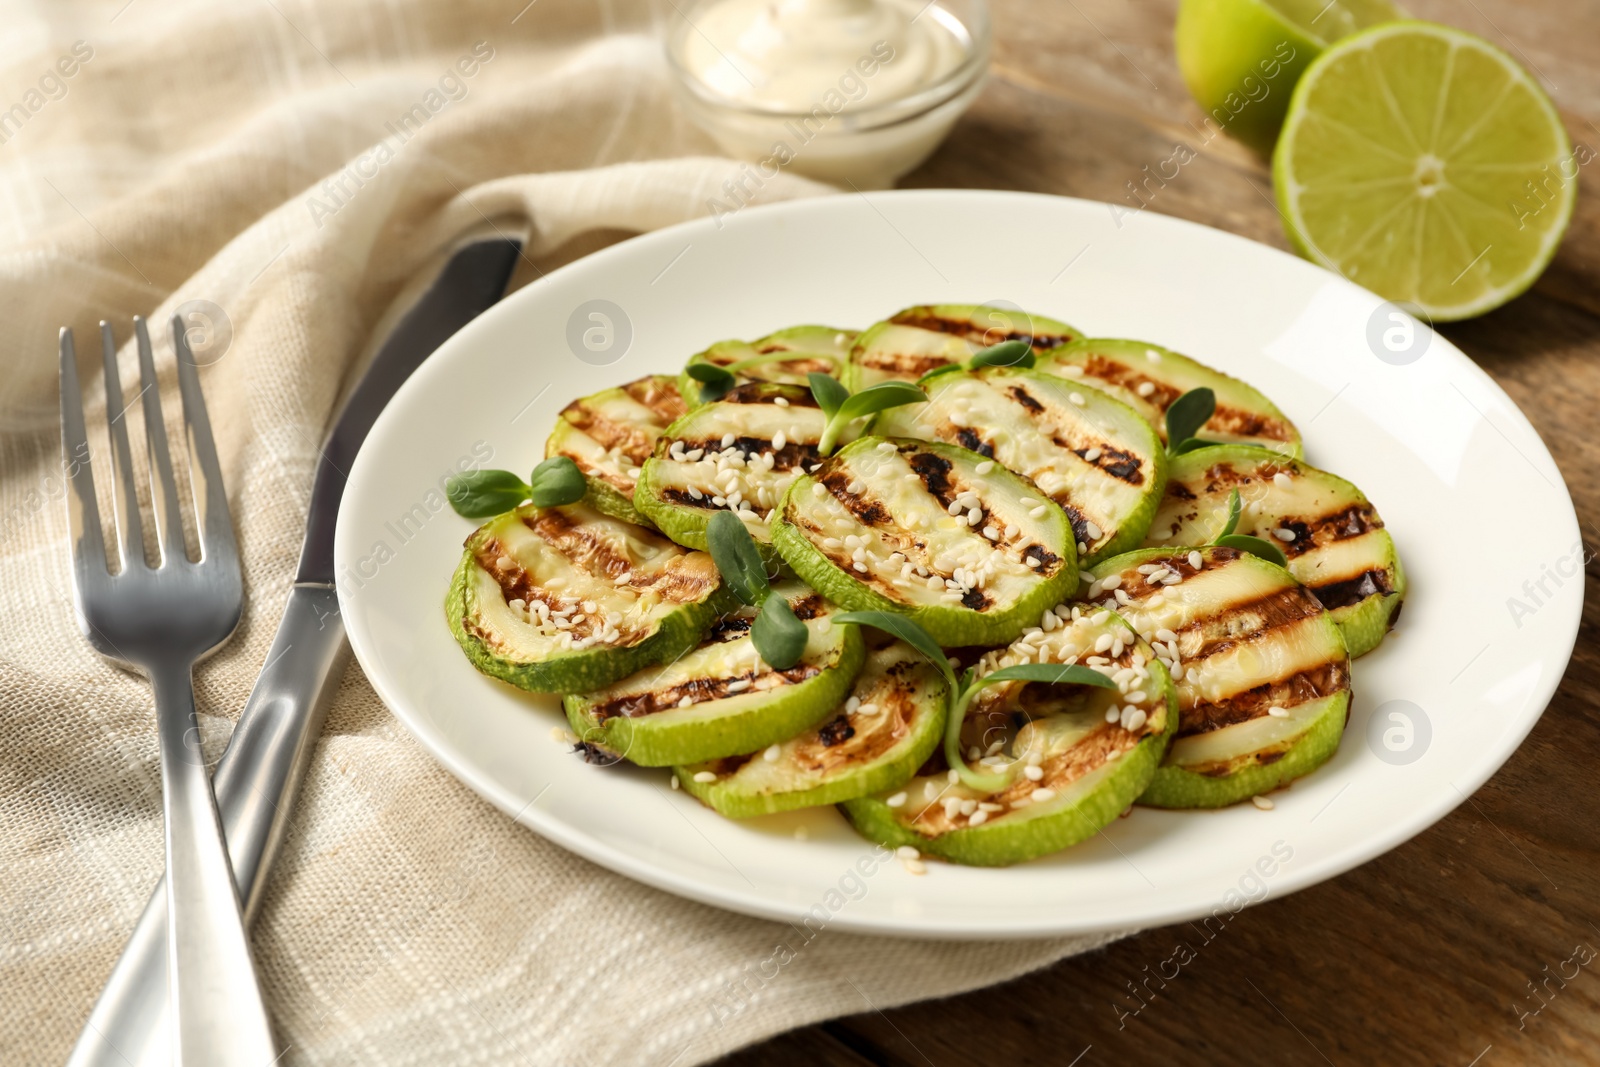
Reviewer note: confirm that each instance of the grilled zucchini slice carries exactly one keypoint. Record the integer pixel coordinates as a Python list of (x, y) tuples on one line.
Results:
[(1091, 454), (1075, 756), (828, 347), (569, 598), (609, 436), (888, 728), (912, 342), (737, 454), (1149, 378), (720, 699), (1331, 534), (916, 527), (1262, 671)]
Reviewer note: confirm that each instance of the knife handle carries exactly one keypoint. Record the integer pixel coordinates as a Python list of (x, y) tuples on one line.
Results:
[(256, 783)]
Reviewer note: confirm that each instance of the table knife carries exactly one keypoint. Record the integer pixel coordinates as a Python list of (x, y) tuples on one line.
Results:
[(267, 756)]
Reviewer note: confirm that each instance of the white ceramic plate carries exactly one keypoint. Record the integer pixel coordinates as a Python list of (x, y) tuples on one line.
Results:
[(1482, 519)]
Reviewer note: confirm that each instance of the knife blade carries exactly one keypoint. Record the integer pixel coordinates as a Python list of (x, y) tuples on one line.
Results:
[(259, 774)]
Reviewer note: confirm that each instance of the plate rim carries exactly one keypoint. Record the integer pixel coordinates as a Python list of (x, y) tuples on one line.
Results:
[(1291, 879)]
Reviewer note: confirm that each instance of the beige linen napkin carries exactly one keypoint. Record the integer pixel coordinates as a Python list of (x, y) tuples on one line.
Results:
[(285, 170)]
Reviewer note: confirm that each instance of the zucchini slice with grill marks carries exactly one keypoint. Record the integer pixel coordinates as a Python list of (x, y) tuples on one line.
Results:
[(569, 598), (914, 527), (721, 699), (1262, 671), (912, 342), (827, 347), (888, 728), (1090, 453), (1330, 533), (1074, 756), (1149, 378), (737, 454), (609, 436)]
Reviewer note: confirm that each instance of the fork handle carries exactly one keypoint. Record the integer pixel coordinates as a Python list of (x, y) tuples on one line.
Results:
[(218, 1016), (256, 784)]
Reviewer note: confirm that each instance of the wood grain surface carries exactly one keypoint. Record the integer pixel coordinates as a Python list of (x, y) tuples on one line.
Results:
[(1424, 956)]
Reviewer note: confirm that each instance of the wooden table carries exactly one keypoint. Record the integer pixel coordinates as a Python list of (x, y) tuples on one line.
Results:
[(1420, 957)]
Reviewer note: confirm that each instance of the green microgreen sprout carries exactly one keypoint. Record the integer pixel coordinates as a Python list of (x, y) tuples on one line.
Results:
[(778, 635), (1255, 546), (1185, 416), (1004, 354), (842, 407), (486, 493)]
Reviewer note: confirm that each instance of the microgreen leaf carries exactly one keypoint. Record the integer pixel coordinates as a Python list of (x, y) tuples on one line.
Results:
[(1004, 354), (778, 635), (1190, 445), (734, 552), (828, 391), (869, 401), (482, 494), (1186, 415), (1255, 546), (939, 372), (1234, 508), (907, 631), (556, 481), (714, 381)]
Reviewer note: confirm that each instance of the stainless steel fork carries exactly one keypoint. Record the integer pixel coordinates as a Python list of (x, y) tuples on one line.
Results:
[(160, 621)]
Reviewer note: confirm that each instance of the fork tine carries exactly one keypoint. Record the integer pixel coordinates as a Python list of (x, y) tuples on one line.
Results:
[(169, 523), (83, 511), (205, 472), (126, 497)]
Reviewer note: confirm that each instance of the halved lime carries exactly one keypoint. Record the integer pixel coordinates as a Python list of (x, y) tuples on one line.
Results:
[(1426, 165), (1241, 58)]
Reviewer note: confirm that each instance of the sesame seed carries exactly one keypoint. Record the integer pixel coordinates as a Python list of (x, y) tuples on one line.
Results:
[(728, 439), (1282, 480), (1133, 718), (1146, 388), (860, 568), (991, 533), (1091, 455), (894, 802), (738, 685), (503, 562), (1284, 534), (1042, 794), (1038, 512), (1262, 802), (1112, 714), (781, 401), (985, 467), (779, 439), (1111, 581), (978, 818), (1152, 355), (1033, 773), (1103, 642), (1092, 530), (1195, 559), (1077, 398), (772, 753), (1033, 561), (686, 702), (674, 781), (905, 852), (1277, 712), (916, 867), (953, 777), (705, 776)]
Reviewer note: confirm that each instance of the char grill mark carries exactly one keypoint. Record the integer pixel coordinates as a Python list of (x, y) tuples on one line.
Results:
[(870, 512), (662, 398), (962, 328), (1299, 688), (968, 438), (793, 454), (1348, 591), (836, 732), (698, 690), (1283, 607)]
